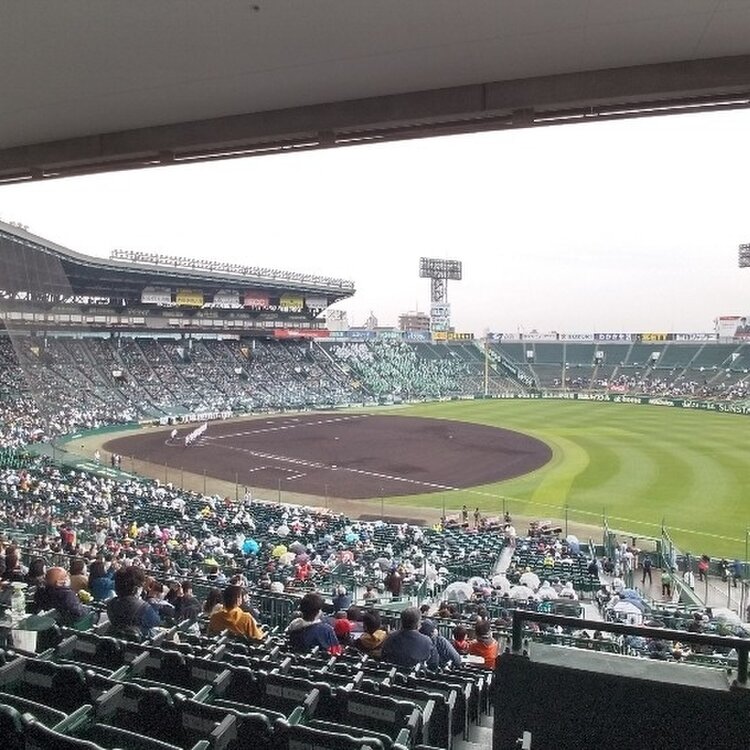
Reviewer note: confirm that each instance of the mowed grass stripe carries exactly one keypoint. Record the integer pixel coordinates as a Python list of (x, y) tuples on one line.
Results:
[(641, 463)]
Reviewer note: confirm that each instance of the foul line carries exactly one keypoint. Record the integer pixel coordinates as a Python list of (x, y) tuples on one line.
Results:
[(333, 467), (280, 428)]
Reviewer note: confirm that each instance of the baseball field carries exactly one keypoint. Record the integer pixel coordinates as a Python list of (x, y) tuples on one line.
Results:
[(638, 465)]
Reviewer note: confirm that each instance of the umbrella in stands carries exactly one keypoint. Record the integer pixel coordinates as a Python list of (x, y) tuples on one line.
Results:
[(726, 615), (458, 592), (477, 582), (521, 592), (530, 579), (250, 546), (297, 547), (501, 583), (279, 550), (629, 612), (546, 593), (287, 558)]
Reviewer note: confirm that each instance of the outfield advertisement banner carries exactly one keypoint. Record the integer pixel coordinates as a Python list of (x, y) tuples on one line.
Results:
[(189, 298), (611, 337), (293, 302), (301, 333), (726, 407), (227, 298), (152, 295), (316, 303), (255, 299)]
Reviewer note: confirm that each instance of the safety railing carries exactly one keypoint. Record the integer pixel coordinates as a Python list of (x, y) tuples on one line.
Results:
[(742, 646)]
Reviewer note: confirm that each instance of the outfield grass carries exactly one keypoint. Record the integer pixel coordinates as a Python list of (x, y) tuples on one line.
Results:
[(639, 465)]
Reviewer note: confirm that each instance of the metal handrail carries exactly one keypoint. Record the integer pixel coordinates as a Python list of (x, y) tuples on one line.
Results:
[(741, 645)]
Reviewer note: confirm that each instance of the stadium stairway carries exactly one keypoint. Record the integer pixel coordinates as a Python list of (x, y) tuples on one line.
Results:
[(480, 736)]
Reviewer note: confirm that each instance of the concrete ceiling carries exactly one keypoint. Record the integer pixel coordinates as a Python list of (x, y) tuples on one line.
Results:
[(90, 85)]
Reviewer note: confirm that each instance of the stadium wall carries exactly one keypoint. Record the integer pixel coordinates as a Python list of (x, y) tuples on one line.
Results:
[(605, 700)]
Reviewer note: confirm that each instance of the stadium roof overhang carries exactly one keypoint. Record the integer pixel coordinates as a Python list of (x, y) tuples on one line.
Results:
[(90, 87), (32, 264)]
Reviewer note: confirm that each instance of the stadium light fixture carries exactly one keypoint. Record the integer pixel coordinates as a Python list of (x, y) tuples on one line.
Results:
[(440, 271), (744, 256)]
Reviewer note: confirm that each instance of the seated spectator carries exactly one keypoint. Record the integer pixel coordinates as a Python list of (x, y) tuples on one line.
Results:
[(78, 578), (308, 631), (14, 569), (371, 640), (460, 641), (341, 600), (343, 629), (155, 597), (213, 602), (56, 594), (186, 606), (444, 654), (354, 615), (233, 618), (408, 647), (130, 616), (485, 645), (101, 580), (35, 576)]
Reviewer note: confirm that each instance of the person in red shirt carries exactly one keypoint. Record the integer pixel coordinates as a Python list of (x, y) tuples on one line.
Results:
[(484, 645), (460, 642)]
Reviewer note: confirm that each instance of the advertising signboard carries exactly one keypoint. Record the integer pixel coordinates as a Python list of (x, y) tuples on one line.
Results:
[(256, 299), (291, 302), (189, 298), (152, 295)]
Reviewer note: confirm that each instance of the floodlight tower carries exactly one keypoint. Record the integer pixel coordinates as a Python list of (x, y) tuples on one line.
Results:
[(439, 271), (744, 256)]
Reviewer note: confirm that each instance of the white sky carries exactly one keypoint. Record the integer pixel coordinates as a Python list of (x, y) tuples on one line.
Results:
[(623, 226)]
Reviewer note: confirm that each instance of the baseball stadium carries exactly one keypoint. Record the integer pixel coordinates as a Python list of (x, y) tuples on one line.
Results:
[(228, 521)]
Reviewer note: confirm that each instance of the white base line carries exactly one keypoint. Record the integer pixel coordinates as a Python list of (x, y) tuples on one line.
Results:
[(280, 428), (326, 467)]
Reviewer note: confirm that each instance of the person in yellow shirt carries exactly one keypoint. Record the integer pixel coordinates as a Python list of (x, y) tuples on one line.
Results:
[(233, 618)]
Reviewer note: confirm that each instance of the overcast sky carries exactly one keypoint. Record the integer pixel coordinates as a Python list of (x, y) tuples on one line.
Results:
[(622, 226)]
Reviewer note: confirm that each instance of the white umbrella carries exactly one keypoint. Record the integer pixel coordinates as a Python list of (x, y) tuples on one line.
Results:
[(459, 592), (283, 530), (477, 581), (530, 579), (521, 592), (726, 615), (546, 592), (630, 612), (500, 582), (287, 558)]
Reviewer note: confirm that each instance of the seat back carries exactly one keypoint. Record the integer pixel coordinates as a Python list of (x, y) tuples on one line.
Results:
[(59, 686), (39, 737), (300, 737), (380, 713), (284, 693), (226, 729), (11, 728), (147, 710)]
